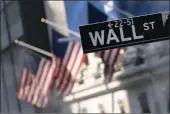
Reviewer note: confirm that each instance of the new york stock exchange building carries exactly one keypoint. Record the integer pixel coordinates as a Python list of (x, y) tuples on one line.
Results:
[(139, 84)]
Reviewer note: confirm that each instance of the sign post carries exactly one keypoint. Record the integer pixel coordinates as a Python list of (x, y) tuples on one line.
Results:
[(125, 32)]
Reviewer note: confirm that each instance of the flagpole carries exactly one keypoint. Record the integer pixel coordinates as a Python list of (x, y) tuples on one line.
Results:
[(67, 39), (33, 48), (58, 27), (76, 34)]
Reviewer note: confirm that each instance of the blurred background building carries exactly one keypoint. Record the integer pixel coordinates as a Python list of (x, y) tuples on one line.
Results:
[(11, 62), (140, 85), (19, 20)]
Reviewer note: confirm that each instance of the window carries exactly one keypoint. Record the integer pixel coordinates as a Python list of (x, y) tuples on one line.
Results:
[(13, 12), (143, 100)]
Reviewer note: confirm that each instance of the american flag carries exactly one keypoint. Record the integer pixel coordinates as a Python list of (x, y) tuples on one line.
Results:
[(70, 54), (109, 57), (71, 59), (36, 79)]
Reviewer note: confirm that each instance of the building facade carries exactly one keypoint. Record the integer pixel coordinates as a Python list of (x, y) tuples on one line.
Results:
[(19, 20), (137, 89), (11, 29)]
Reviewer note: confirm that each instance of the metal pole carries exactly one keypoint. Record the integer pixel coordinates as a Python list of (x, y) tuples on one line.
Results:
[(53, 24), (34, 48), (11, 53)]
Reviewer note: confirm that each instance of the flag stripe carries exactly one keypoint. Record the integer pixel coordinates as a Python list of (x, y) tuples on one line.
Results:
[(102, 54), (27, 86), (73, 68), (57, 77), (65, 70), (78, 61), (50, 78), (70, 66), (116, 56), (22, 82), (106, 53), (40, 82), (112, 57), (62, 65), (67, 55), (71, 84), (108, 57), (70, 87), (59, 69), (35, 82), (45, 78)]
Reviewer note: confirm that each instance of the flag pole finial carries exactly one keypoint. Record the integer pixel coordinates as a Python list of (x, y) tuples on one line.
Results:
[(43, 20), (16, 41)]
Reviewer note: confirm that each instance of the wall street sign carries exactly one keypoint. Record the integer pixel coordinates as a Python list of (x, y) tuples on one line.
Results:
[(125, 32)]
